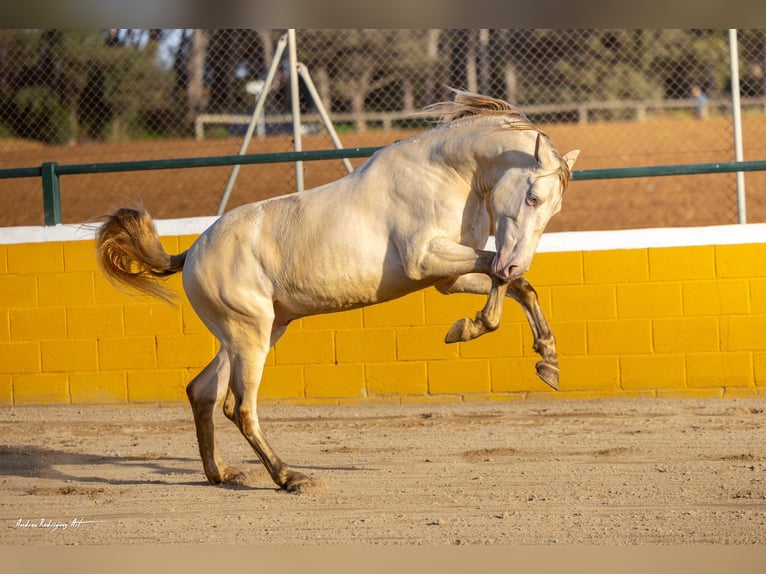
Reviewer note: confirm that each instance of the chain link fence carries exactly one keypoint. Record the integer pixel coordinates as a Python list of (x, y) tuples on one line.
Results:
[(624, 97)]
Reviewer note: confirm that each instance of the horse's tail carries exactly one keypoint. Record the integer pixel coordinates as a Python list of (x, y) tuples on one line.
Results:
[(129, 253)]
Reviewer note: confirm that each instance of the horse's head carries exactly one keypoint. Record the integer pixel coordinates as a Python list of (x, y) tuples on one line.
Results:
[(523, 201)]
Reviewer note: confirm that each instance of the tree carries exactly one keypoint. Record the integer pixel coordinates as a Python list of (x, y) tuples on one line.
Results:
[(551, 66), (68, 84), (195, 71), (234, 57), (367, 69), (753, 75)]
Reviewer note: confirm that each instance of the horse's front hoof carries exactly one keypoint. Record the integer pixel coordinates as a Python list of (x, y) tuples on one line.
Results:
[(549, 373), (461, 330)]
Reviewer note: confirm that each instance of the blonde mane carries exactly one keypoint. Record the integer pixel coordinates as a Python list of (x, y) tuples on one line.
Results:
[(469, 105)]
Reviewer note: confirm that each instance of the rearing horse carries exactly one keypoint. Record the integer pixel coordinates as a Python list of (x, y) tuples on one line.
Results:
[(412, 216)]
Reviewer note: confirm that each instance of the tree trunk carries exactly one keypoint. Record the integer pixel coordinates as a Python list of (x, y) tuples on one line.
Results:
[(357, 108), (268, 46), (432, 49), (322, 81), (471, 76), (485, 78), (408, 94), (510, 83), (196, 74)]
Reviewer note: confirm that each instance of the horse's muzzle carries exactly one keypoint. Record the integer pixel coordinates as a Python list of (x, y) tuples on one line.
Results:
[(506, 271)]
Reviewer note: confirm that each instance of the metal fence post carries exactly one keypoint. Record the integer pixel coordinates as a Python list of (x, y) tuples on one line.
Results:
[(736, 111), (51, 194)]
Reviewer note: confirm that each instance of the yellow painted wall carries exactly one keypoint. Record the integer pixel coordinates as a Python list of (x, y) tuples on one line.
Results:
[(674, 321)]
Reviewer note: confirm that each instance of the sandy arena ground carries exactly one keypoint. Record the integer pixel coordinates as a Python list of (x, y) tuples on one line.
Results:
[(620, 471)]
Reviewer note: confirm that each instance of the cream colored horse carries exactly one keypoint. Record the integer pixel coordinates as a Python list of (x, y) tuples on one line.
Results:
[(412, 216)]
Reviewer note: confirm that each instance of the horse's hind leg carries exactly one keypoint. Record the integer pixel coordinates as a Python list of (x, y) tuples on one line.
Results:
[(247, 370), (204, 392), (544, 341)]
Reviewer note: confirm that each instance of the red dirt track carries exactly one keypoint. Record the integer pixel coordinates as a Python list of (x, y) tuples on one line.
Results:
[(604, 204)]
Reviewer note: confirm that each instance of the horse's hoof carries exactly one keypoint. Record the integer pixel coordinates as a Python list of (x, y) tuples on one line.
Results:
[(549, 373), (297, 482), (229, 475), (460, 331), (468, 329)]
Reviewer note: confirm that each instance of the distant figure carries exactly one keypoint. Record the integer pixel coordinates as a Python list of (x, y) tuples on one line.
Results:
[(699, 96)]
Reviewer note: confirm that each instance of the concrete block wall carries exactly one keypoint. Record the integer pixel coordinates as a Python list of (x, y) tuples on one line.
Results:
[(647, 320)]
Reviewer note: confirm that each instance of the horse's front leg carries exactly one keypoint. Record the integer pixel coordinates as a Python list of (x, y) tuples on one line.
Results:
[(521, 291), (487, 320), (544, 342), (462, 268)]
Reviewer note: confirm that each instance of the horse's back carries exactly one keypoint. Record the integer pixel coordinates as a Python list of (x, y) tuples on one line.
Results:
[(341, 245), (322, 250)]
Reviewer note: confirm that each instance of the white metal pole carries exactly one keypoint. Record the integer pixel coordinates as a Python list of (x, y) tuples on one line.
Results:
[(296, 107), (257, 112), (737, 119), (304, 72)]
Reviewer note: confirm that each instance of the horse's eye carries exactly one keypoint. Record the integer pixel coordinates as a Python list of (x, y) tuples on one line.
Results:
[(532, 200)]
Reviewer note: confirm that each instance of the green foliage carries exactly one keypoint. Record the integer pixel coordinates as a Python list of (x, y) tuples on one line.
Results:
[(610, 65), (59, 86), (63, 85), (359, 62)]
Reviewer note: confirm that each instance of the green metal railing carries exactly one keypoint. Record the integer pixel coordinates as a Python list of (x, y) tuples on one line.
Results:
[(51, 172)]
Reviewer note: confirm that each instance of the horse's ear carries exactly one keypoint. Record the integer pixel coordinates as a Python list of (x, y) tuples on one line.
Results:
[(571, 157), (537, 147), (543, 155)]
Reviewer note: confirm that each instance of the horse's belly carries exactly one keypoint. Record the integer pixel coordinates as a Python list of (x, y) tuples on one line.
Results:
[(344, 291)]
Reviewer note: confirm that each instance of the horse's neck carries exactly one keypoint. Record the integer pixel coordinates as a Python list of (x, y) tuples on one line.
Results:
[(482, 152)]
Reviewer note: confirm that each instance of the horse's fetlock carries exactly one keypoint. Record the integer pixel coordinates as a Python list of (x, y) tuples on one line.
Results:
[(545, 346), (490, 324)]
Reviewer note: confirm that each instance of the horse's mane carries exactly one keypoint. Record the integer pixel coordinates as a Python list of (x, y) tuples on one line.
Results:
[(468, 104)]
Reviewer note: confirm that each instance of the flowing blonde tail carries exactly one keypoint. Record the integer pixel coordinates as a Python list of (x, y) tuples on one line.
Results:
[(130, 253)]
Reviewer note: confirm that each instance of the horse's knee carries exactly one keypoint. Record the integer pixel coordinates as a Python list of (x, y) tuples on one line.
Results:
[(445, 287)]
